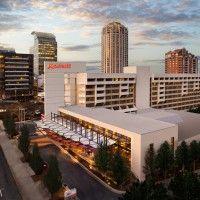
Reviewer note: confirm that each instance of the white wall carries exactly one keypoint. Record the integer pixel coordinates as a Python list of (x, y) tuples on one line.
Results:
[(54, 89), (142, 85), (157, 138)]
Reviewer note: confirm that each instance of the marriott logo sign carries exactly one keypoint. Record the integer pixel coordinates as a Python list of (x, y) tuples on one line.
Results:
[(59, 66)]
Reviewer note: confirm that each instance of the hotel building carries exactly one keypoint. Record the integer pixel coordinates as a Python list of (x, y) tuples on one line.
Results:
[(113, 91), (44, 49), (114, 47), (136, 88), (175, 91), (74, 111), (16, 76), (180, 61)]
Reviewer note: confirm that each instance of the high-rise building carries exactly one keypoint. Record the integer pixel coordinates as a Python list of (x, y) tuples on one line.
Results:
[(180, 61), (44, 49), (16, 76), (114, 48)]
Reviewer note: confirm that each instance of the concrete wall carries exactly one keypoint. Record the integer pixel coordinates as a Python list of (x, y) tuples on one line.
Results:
[(54, 89), (155, 138), (70, 89), (142, 85)]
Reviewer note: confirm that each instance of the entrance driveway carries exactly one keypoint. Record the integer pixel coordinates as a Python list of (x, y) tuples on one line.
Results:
[(74, 176)]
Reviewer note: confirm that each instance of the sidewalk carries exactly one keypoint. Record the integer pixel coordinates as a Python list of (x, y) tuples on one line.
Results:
[(21, 171)]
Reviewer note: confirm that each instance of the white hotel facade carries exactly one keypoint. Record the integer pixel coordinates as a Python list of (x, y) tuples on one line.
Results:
[(99, 103)]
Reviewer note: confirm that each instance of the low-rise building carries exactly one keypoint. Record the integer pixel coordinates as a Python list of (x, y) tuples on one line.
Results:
[(175, 91), (113, 91)]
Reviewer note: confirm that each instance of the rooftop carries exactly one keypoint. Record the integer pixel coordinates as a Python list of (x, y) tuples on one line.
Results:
[(43, 34), (132, 123)]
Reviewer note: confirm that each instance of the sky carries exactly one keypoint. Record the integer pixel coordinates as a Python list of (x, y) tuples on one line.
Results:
[(155, 27)]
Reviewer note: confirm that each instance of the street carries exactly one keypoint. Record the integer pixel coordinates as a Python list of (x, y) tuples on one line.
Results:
[(74, 176), (8, 188)]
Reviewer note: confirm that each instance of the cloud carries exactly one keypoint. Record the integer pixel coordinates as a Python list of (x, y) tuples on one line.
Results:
[(100, 12), (157, 43), (164, 34), (156, 23), (82, 47), (129, 11), (11, 22), (94, 62), (9, 5), (152, 12), (158, 61), (4, 5)]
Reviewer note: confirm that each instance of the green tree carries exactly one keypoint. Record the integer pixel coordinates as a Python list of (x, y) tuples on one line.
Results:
[(158, 192), (185, 186), (53, 178), (182, 155), (9, 125), (120, 169), (147, 190), (36, 162), (24, 141), (138, 191), (149, 168), (194, 152), (102, 158), (165, 158)]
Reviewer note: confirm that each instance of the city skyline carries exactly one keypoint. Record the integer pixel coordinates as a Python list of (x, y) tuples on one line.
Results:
[(154, 27)]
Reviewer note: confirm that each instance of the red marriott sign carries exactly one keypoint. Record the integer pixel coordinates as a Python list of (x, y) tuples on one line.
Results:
[(59, 66)]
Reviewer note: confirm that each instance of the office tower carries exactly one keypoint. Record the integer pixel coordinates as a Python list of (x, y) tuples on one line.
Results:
[(180, 61), (16, 76), (114, 48), (44, 49)]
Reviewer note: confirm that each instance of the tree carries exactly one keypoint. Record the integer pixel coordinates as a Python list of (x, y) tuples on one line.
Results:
[(149, 168), (182, 155), (137, 191), (36, 161), (165, 158), (53, 178), (120, 169), (185, 186), (24, 141), (146, 190), (9, 125), (102, 158), (194, 153)]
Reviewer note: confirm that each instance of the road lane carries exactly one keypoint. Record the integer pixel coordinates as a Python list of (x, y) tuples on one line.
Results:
[(8, 188)]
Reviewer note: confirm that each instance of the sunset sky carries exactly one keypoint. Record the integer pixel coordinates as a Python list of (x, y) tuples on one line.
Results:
[(155, 27)]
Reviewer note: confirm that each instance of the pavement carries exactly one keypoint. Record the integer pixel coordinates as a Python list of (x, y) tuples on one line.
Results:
[(8, 187), (74, 176)]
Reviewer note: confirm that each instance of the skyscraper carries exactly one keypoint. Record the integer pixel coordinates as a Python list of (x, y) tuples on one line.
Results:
[(114, 46), (180, 61), (44, 49)]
